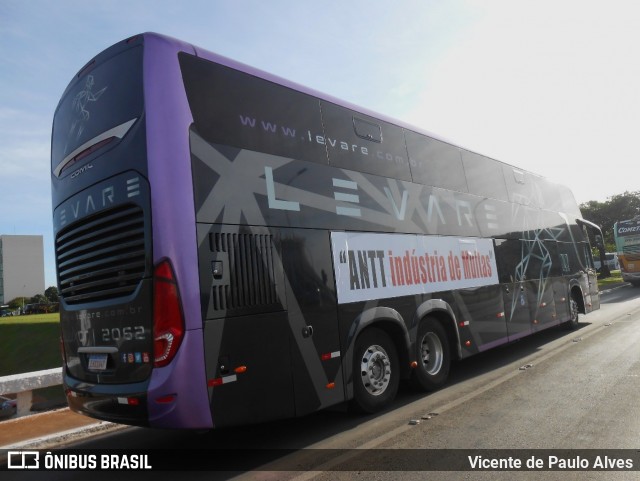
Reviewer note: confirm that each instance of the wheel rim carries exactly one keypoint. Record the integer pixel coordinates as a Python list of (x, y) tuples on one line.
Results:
[(375, 370), (431, 353)]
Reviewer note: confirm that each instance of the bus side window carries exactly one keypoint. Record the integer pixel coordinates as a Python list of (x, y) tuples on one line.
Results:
[(435, 163), (571, 264), (508, 255), (557, 263), (233, 108), (484, 176), (357, 142), (588, 260)]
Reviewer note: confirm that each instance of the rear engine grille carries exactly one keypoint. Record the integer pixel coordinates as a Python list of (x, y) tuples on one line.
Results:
[(102, 257), (252, 276)]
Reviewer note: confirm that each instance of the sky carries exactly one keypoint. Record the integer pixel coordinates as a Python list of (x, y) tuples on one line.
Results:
[(551, 86)]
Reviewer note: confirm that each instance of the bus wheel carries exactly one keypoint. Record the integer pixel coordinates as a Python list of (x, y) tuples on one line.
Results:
[(432, 355), (572, 323), (376, 371)]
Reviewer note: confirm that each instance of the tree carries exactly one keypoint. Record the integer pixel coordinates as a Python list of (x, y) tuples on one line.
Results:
[(38, 299), (52, 294), (18, 302), (606, 214)]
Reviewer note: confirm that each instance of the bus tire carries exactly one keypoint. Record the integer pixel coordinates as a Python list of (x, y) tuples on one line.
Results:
[(432, 353), (376, 371), (574, 310)]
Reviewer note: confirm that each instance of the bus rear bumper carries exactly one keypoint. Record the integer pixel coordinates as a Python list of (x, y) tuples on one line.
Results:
[(172, 397), (633, 277), (125, 404)]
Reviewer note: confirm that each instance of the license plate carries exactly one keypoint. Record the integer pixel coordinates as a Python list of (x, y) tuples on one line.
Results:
[(97, 362)]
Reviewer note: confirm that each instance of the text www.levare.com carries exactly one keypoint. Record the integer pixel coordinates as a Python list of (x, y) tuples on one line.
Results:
[(267, 126), (290, 133)]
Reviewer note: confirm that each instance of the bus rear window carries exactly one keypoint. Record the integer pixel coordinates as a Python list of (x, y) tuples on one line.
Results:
[(98, 107)]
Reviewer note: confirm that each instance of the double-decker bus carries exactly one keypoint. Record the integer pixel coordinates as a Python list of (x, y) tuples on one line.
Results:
[(627, 237), (234, 248)]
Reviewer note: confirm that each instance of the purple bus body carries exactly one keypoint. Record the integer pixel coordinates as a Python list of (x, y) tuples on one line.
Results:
[(174, 232)]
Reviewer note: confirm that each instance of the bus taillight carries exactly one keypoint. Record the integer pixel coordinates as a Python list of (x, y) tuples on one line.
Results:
[(168, 321)]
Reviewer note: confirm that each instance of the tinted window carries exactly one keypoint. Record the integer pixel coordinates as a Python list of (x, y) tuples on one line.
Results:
[(587, 260), (508, 256), (435, 163), (358, 142), (105, 97), (525, 188), (230, 107), (566, 202), (484, 176), (569, 257), (534, 255), (556, 268)]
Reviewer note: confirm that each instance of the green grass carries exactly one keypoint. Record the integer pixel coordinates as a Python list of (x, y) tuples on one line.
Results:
[(32, 343), (614, 279), (31, 319), (29, 343)]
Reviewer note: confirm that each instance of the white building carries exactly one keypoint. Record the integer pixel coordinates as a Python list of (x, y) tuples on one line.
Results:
[(21, 266)]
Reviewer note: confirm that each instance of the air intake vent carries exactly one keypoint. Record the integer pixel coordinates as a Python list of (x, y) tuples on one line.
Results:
[(102, 257), (251, 279)]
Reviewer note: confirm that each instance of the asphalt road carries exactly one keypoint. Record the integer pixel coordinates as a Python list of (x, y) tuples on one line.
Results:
[(557, 390)]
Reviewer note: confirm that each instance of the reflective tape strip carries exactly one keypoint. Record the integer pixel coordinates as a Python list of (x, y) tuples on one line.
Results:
[(330, 355), (219, 381)]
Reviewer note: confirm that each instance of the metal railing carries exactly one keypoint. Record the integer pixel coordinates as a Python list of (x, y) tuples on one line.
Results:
[(24, 384)]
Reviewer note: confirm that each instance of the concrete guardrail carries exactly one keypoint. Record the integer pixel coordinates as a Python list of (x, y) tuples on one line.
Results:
[(24, 384)]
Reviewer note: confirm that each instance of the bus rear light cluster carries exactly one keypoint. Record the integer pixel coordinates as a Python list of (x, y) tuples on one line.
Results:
[(168, 320)]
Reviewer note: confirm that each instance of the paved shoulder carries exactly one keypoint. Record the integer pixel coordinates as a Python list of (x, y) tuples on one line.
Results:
[(49, 428)]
